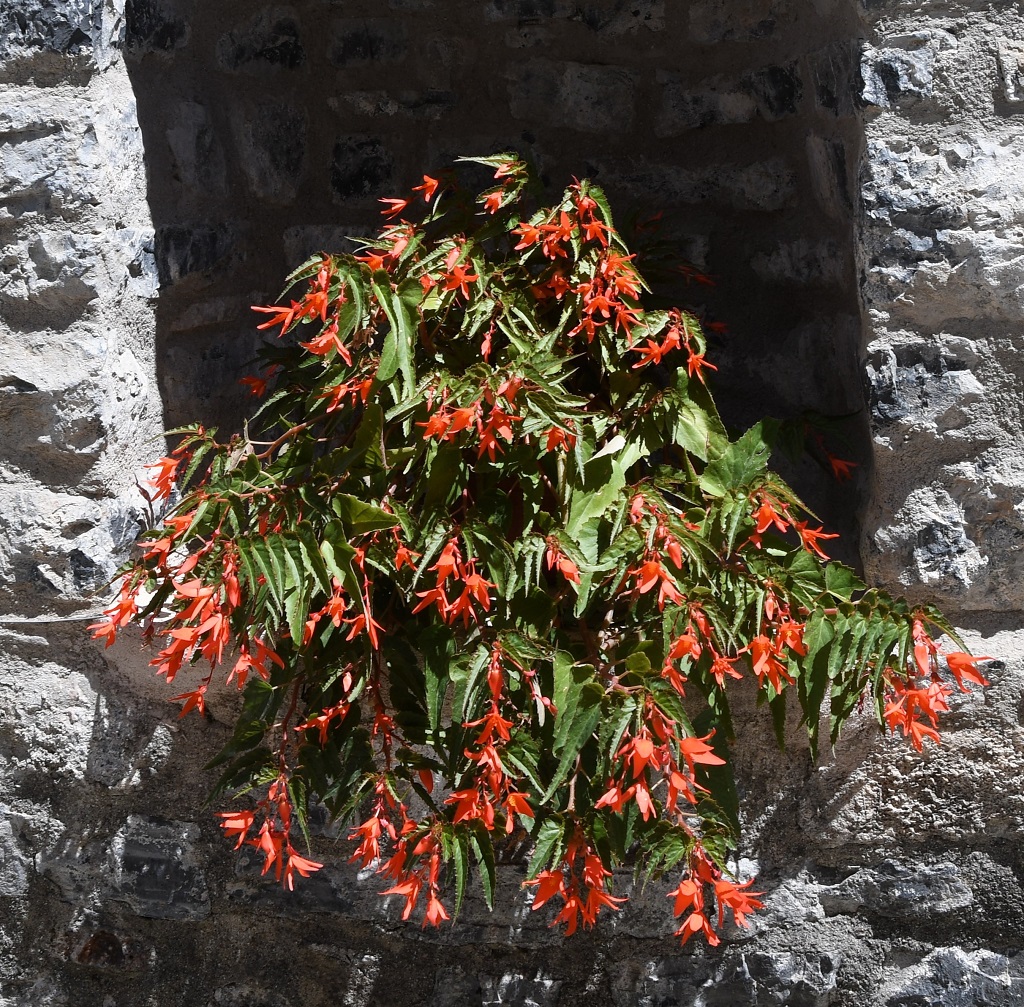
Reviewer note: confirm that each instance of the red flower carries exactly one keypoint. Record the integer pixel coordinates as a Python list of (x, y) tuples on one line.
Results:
[(963, 666), (393, 207), (428, 188)]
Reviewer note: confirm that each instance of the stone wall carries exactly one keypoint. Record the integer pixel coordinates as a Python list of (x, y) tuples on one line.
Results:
[(162, 163)]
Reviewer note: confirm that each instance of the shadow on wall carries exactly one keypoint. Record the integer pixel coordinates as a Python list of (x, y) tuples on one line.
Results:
[(271, 132)]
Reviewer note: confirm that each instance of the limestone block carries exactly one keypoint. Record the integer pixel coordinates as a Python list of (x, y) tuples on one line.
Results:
[(155, 868), (830, 177), (359, 42), (897, 76), (952, 977), (429, 104), (197, 149), (47, 158), (770, 94), (778, 976), (714, 21), (579, 96), (271, 137), (61, 547), (154, 26), (270, 39), (877, 794), (835, 76), (15, 865), (802, 262), (60, 25), (360, 166), (899, 891), (609, 17), (957, 246), (1011, 69), (191, 251), (766, 185)]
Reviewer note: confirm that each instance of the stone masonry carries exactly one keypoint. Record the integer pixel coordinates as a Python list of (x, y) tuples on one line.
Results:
[(849, 175)]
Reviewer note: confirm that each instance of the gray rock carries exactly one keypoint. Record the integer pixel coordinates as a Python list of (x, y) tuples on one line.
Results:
[(270, 39), (358, 42), (272, 141), (361, 166), (586, 98), (950, 977), (155, 869), (898, 892)]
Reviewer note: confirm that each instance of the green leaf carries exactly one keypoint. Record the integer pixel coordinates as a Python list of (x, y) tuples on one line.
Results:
[(483, 850), (359, 517), (741, 462), (548, 844)]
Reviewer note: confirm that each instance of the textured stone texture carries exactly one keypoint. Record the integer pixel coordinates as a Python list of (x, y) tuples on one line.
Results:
[(943, 251), (162, 163)]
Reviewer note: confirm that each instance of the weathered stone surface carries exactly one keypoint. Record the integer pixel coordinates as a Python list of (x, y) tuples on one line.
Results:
[(363, 41), (62, 27), (361, 166), (949, 977), (576, 96), (770, 93), (153, 867), (610, 17), (269, 39), (153, 26), (744, 21)]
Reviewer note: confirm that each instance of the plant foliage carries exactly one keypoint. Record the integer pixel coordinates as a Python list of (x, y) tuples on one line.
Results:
[(486, 551)]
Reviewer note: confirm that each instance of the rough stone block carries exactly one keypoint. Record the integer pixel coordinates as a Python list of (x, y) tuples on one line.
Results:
[(270, 39), (770, 93), (802, 262), (764, 185), (835, 76), (155, 869), (153, 26), (952, 977), (894, 77), (608, 17), (65, 27), (714, 21), (363, 41), (1011, 69), (15, 865), (302, 241), (361, 166), (429, 104), (830, 176), (196, 149), (900, 892), (577, 96), (272, 141), (187, 251)]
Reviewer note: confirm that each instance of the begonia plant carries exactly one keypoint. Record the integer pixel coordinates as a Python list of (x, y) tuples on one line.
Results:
[(486, 566)]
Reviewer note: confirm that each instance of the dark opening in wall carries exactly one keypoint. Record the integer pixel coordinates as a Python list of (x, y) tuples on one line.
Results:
[(271, 132)]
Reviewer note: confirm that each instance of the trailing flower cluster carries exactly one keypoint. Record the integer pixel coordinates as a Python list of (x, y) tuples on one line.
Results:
[(490, 573)]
